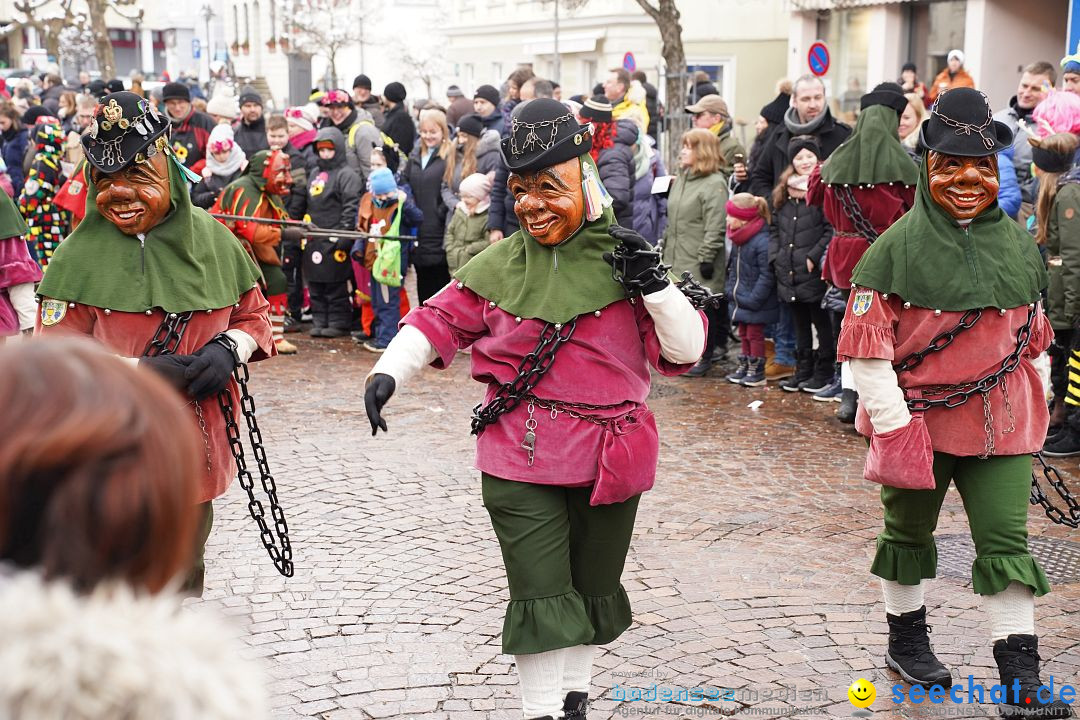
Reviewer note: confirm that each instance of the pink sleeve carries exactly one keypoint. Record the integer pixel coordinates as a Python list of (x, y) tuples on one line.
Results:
[(647, 330), (451, 320), (253, 317), (869, 328)]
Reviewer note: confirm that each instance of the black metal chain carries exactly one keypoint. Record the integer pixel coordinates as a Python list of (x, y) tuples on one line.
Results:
[(531, 370), (281, 557), (940, 341), (165, 341), (962, 393), (698, 295), (851, 208), (1038, 497)]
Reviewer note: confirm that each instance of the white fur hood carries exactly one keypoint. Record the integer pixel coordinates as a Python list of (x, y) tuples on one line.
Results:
[(113, 654)]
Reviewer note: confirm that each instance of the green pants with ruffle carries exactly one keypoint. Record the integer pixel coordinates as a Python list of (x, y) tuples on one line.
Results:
[(995, 495), (564, 561)]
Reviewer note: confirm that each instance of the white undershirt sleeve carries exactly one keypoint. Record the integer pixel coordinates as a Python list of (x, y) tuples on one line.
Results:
[(678, 325), (880, 394), (22, 299), (245, 344), (406, 355)]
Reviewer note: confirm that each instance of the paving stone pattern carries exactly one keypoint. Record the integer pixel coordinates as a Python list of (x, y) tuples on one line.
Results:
[(748, 569)]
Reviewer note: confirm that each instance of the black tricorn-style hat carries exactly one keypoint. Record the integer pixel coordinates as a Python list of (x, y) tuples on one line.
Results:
[(543, 132), (888, 94), (126, 128), (961, 123)]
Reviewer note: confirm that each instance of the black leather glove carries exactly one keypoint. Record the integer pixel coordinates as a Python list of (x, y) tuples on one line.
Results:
[(169, 367), (210, 369), (706, 270), (292, 235), (379, 390), (644, 257)]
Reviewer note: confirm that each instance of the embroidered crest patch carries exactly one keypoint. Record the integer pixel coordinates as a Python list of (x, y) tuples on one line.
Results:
[(862, 302), (52, 311)]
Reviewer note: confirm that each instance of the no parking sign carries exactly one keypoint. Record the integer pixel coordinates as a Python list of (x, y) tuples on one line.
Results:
[(818, 58)]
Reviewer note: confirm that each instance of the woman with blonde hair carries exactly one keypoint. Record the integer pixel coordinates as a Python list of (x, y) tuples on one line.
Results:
[(910, 122), (694, 238), (424, 174)]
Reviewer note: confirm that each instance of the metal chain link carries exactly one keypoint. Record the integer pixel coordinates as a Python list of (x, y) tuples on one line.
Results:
[(698, 295), (851, 208), (1038, 497), (531, 370)]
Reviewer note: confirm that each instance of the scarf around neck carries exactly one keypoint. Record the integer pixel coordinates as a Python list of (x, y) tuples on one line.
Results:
[(791, 120), (742, 235), (553, 284), (931, 261), (234, 163)]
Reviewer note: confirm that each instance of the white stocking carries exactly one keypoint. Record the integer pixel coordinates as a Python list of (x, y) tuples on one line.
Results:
[(577, 672), (540, 676), (899, 598), (1011, 611)]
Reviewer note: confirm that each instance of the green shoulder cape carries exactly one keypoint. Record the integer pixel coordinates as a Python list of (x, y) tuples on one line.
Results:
[(188, 262), (553, 284), (872, 155), (931, 261), (243, 195), (11, 220)]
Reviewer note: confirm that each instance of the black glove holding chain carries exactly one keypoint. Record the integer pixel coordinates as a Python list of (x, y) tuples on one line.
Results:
[(170, 367), (636, 263), (379, 389), (211, 367)]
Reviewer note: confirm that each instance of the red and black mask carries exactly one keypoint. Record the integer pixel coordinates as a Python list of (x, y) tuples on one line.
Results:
[(549, 202), (278, 173), (962, 186)]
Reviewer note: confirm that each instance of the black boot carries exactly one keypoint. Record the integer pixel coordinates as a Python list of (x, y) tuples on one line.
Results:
[(700, 367), (575, 705), (824, 369), (804, 370), (1018, 662), (1064, 444), (755, 375), (849, 404), (910, 653)]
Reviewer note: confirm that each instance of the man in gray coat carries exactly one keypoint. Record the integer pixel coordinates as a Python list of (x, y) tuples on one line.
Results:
[(1036, 79)]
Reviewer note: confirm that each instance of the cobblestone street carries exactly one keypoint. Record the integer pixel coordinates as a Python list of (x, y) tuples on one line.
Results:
[(748, 569)]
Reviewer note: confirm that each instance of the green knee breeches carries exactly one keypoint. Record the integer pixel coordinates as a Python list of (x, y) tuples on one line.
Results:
[(995, 494), (564, 561)]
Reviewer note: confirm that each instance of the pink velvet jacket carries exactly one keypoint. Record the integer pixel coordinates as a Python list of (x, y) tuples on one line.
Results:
[(890, 331), (606, 361)]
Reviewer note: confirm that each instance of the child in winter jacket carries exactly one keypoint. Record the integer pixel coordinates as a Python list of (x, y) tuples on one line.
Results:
[(751, 285), (334, 191), (467, 234), (386, 210), (48, 223), (800, 235), (224, 163)]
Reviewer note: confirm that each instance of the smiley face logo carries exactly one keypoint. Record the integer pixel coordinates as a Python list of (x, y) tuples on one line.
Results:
[(862, 693)]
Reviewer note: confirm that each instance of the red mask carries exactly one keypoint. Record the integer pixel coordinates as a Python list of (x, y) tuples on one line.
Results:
[(962, 186), (548, 203), (277, 173), (136, 198)]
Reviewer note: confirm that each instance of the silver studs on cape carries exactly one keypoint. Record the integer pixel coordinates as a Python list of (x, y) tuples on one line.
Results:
[(907, 306), (596, 313), (108, 311), (491, 305)]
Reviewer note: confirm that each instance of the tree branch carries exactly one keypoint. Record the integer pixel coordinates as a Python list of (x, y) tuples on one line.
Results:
[(653, 12)]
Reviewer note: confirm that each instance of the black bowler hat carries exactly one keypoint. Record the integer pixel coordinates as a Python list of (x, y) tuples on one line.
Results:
[(888, 94), (961, 123), (125, 129), (543, 132)]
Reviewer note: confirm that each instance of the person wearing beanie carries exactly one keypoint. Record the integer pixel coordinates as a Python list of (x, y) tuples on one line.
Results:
[(486, 106), (916, 282), (364, 100), (1036, 81), (190, 128), (910, 83), (613, 152), (562, 490), (476, 151), (863, 188), (1070, 72), (385, 210), (711, 113), (954, 75), (97, 88), (334, 191), (459, 105), (357, 127), (466, 235), (250, 128), (223, 106), (114, 86), (800, 236), (225, 161), (397, 123)]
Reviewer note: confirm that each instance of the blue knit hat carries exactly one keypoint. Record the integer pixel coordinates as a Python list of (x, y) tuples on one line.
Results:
[(382, 182)]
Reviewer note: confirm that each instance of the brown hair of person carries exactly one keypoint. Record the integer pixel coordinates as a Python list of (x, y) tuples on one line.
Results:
[(706, 148), (277, 122), (1059, 144), (99, 468)]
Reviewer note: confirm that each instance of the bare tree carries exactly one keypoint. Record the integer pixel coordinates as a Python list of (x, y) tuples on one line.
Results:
[(52, 25), (422, 63), (666, 16), (323, 27), (48, 25)]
